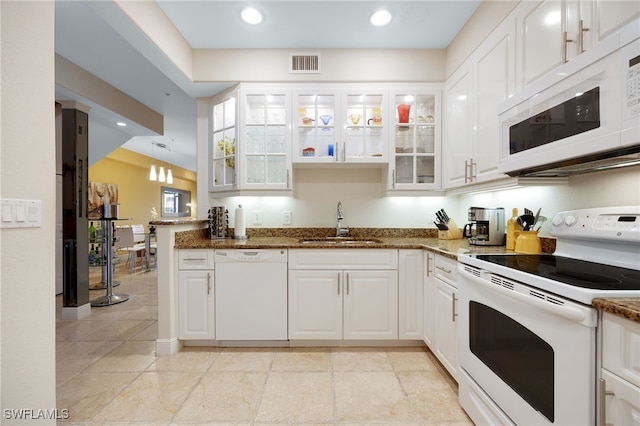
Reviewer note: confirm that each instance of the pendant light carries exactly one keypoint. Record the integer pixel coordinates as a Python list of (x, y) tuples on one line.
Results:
[(161, 175), (153, 176), (169, 173)]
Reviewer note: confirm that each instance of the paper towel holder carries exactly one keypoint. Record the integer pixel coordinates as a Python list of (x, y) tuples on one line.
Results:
[(240, 230)]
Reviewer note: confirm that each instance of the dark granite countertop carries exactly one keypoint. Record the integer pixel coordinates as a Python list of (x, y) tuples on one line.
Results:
[(291, 238), (627, 307)]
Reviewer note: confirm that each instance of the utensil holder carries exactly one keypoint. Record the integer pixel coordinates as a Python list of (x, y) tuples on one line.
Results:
[(453, 233)]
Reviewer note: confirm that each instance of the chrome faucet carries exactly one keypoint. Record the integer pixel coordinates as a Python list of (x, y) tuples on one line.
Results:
[(341, 230)]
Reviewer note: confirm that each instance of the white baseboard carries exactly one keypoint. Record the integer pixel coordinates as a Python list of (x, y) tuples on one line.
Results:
[(168, 347), (76, 313)]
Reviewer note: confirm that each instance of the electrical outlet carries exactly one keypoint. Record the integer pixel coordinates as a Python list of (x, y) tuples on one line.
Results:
[(431, 217), (286, 217), (256, 216)]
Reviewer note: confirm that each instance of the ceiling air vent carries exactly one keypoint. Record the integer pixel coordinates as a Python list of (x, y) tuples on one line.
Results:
[(304, 63)]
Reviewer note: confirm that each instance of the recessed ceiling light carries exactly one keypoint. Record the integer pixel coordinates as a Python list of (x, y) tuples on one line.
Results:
[(380, 18), (251, 16), (121, 124)]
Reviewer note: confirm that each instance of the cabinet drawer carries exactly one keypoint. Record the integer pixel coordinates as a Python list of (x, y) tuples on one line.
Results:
[(343, 259), (446, 270), (195, 259), (621, 347)]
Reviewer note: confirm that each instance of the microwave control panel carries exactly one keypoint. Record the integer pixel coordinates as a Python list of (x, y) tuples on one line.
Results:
[(631, 99)]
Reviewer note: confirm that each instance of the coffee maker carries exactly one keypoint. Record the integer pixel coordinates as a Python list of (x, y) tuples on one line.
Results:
[(486, 226)]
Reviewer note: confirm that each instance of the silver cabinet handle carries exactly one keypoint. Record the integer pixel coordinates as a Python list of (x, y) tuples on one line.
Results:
[(190, 259), (581, 31), (472, 170), (338, 283), (466, 173), (208, 282), (453, 308), (429, 261), (347, 283), (442, 268), (288, 180), (393, 178), (603, 402), (565, 40)]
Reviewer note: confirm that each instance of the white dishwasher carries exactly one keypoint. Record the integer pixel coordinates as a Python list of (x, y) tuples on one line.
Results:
[(251, 294)]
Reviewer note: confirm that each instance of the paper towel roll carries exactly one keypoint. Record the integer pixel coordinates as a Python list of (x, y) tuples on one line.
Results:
[(240, 230)]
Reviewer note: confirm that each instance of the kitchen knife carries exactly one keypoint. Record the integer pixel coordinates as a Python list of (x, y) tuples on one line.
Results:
[(440, 217), (441, 227), (445, 215)]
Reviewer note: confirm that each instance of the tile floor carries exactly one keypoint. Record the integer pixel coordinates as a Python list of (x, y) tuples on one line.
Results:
[(107, 374)]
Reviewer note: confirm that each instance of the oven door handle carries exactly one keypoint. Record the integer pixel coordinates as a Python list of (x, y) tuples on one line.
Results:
[(564, 311)]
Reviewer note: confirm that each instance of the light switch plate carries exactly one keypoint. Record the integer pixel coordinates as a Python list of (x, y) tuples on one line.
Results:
[(256, 217), (21, 213), (286, 217)]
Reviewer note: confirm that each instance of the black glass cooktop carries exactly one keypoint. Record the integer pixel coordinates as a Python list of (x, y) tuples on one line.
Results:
[(576, 272)]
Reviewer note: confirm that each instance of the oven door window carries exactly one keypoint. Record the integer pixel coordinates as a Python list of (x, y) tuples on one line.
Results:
[(518, 356)]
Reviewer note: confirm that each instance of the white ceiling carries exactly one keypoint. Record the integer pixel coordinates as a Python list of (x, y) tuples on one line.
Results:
[(98, 37)]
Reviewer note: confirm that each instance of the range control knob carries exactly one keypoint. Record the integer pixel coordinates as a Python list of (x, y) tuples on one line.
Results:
[(570, 220), (557, 220)]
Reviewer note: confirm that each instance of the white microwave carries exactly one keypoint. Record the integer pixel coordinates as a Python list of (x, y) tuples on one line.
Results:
[(583, 117)]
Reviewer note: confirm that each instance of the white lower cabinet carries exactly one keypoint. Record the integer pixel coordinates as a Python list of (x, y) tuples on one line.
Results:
[(620, 375), (410, 298), (196, 300), (329, 301), (428, 301), (440, 300)]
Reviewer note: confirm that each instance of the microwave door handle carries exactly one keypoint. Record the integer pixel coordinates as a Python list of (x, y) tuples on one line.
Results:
[(564, 311)]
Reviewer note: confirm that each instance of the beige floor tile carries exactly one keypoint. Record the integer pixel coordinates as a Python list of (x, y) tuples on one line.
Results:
[(411, 359), (121, 330), (74, 357), (129, 356), (149, 333), (190, 361), (297, 397), (360, 359), (224, 397), (244, 360), (302, 359), (152, 397), (371, 396), (87, 393), (432, 397)]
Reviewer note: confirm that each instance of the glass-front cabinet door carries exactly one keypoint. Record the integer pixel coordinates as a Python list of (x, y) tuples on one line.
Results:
[(364, 133), (316, 127), (222, 152), (415, 153), (266, 140), (340, 126)]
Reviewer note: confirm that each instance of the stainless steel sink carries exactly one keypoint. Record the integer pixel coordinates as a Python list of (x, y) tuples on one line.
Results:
[(338, 241)]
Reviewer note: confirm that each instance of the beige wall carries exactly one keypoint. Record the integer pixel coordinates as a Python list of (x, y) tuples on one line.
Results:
[(27, 171), (136, 193)]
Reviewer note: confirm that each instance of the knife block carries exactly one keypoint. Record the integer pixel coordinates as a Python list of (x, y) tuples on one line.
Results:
[(453, 233)]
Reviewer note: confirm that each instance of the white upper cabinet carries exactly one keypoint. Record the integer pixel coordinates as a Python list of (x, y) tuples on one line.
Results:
[(222, 143), (250, 139), (553, 32), (266, 139), (474, 92), (340, 124), (415, 150)]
